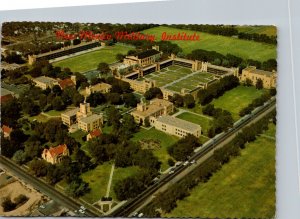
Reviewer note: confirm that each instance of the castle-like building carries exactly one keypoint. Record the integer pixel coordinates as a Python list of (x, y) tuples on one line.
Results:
[(84, 117), (251, 73)]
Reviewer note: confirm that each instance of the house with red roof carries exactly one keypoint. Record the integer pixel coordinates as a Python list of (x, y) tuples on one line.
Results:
[(68, 82), (6, 131), (93, 134), (54, 155)]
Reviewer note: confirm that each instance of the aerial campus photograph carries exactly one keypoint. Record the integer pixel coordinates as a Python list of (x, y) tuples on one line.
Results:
[(138, 120)]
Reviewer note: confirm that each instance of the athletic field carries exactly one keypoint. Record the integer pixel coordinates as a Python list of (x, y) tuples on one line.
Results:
[(90, 60), (176, 77), (242, 48)]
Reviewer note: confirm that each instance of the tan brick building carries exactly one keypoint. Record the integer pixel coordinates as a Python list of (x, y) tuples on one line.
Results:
[(87, 121), (144, 58), (155, 108), (268, 78), (45, 82), (100, 87), (177, 127)]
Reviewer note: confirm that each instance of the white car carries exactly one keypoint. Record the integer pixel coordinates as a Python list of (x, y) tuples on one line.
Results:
[(42, 206), (81, 211), (140, 215), (185, 163), (171, 171), (193, 161), (82, 207), (135, 214)]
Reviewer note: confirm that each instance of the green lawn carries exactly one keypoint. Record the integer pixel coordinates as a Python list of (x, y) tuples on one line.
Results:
[(221, 44), (237, 99), (54, 113), (89, 61), (268, 30), (78, 135), (243, 188), (271, 131), (202, 121), (165, 141), (98, 179)]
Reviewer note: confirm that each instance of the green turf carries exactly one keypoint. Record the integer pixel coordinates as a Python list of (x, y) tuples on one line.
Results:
[(165, 141), (89, 61), (221, 44), (54, 113), (236, 99), (200, 120), (268, 30), (271, 131), (98, 179), (243, 188)]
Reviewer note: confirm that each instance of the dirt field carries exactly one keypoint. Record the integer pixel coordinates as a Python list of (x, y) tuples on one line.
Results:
[(13, 190)]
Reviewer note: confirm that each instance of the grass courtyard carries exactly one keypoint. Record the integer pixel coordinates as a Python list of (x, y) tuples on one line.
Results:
[(203, 121), (222, 44), (164, 139), (90, 60), (243, 188), (177, 77), (236, 99)]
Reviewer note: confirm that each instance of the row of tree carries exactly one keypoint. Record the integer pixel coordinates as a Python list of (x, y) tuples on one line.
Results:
[(167, 201), (257, 102)]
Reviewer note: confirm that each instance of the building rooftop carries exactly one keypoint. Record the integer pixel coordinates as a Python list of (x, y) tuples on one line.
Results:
[(160, 102), (100, 86), (55, 151), (95, 133), (90, 119), (253, 70), (16, 89), (147, 53), (71, 112), (45, 80), (66, 83), (180, 123), (151, 109), (6, 129)]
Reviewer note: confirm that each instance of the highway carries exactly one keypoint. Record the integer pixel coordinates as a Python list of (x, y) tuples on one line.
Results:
[(136, 204), (43, 187)]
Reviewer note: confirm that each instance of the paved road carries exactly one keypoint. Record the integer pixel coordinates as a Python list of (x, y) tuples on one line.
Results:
[(43, 187)]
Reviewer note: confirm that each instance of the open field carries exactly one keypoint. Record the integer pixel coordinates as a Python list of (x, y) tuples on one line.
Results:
[(99, 177), (89, 61), (236, 99), (268, 30), (243, 188), (221, 44), (202, 121), (164, 139), (177, 77)]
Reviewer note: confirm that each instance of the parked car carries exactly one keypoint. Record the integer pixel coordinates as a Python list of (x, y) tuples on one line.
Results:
[(185, 163), (140, 215)]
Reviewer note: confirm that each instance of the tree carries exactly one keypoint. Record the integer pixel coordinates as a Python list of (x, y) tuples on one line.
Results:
[(113, 116), (10, 112), (38, 167), (96, 99), (120, 57), (273, 91), (153, 92), (130, 100), (77, 188), (209, 109), (177, 99), (56, 90), (189, 101), (114, 98), (128, 126), (58, 104), (147, 122), (103, 68), (20, 157), (171, 162), (259, 84)]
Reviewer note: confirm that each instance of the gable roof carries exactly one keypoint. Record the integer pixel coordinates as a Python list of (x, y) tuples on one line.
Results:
[(6, 129), (58, 150), (6, 98), (66, 83), (95, 133)]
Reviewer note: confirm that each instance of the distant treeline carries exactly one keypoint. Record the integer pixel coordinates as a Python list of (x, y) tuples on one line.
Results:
[(229, 30)]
